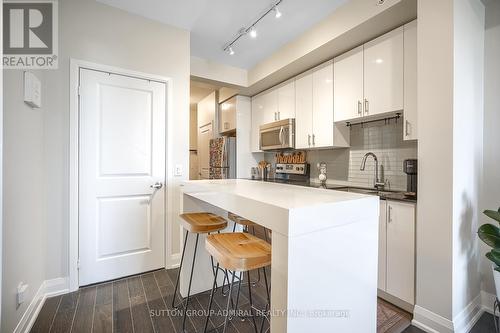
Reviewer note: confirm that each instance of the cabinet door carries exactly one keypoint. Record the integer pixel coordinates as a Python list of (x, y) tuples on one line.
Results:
[(401, 250), (304, 108), (382, 243), (410, 81), (270, 106), (286, 101), (206, 110), (257, 111), (323, 107), (348, 85), (383, 73), (227, 116)]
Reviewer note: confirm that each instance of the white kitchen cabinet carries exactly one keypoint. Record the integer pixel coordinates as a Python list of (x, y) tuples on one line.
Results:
[(227, 115), (257, 120), (382, 246), (322, 134), (286, 100), (383, 74), (348, 85), (269, 106), (205, 134), (400, 271), (206, 110), (304, 110), (410, 81)]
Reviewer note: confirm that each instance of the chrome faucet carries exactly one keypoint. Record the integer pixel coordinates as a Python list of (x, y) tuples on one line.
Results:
[(376, 181)]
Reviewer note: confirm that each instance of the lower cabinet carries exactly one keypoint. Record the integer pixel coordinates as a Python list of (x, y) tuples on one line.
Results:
[(397, 250)]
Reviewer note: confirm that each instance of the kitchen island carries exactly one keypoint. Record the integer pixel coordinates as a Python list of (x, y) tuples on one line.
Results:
[(324, 250)]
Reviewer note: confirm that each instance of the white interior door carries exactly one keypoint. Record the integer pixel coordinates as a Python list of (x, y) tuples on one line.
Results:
[(122, 154)]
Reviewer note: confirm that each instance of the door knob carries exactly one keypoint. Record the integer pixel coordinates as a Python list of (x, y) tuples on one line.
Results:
[(156, 185)]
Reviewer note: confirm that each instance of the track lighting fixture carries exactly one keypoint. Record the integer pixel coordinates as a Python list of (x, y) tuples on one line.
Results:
[(251, 29)]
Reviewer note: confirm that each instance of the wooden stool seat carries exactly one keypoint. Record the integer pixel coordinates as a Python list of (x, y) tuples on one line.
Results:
[(239, 251), (202, 223), (240, 220)]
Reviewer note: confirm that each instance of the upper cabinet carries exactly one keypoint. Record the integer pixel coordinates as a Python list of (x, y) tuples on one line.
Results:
[(206, 110), (369, 78), (227, 116), (314, 127), (383, 73), (286, 101), (410, 81), (348, 85)]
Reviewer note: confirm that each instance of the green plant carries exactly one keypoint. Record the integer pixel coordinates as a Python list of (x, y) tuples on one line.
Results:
[(490, 234)]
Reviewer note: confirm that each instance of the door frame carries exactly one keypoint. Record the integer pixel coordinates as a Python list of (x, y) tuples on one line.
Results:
[(74, 146)]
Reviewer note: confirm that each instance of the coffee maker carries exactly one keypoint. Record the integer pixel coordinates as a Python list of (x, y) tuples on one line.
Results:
[(410, 168)]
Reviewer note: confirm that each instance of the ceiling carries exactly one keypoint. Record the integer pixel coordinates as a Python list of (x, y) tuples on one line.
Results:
[(213, 23), (200, 90)]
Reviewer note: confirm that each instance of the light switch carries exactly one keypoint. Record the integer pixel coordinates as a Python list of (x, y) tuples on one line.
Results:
[(32, 90), (178, 170)]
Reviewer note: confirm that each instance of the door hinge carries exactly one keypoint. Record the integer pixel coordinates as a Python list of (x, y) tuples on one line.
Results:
[(78, 264), (79, 90)]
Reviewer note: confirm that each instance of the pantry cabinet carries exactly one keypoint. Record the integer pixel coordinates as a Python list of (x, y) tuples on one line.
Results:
[(369, 78), (410, 81), (257, 120), (397, 250), (322, 129)]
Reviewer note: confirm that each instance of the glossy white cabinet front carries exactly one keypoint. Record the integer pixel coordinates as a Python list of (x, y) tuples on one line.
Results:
[(286, 101), (348, 85), (410, 81), (304, 111), (383, 74), (322, 134)]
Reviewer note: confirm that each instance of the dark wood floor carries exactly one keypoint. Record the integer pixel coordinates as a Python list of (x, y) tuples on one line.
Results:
[(140, 303)]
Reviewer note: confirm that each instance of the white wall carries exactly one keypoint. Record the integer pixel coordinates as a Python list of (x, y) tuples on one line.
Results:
[(467, 148), (450, 107), (490, 198), (37, 143), (435, 147), (24, 193)]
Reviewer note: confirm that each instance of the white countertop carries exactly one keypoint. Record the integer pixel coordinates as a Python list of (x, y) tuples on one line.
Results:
[(286, 209), (280, 195)]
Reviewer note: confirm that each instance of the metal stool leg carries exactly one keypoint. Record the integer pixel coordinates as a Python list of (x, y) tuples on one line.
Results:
[(268, 301), (229, 299), (189, 287), (251, 303), (179, 273), (214, 287)]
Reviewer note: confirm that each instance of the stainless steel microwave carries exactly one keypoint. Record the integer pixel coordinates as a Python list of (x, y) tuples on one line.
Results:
[(277, 135)]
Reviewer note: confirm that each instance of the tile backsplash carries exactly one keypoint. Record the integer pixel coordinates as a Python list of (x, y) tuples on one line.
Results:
[(384, 140)]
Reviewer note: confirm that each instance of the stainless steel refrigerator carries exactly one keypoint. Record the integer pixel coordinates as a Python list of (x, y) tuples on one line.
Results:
[(223, 158)]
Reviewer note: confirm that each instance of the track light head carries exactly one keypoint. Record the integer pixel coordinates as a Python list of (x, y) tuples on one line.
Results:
[(277, 12), (230, 50), (253, 32)]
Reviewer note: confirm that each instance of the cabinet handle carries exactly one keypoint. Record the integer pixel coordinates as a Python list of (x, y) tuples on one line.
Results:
[(359, 108), (314, 143), (366, 106), (390, 215), (275, 117), (279, 115), (407, 132), (309, 139)]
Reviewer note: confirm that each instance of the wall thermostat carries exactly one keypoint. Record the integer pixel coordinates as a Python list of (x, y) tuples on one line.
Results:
[(32, 90)]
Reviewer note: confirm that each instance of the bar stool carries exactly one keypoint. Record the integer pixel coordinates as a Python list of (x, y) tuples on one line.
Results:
[(196, 223), (246, 223), (238, 252)]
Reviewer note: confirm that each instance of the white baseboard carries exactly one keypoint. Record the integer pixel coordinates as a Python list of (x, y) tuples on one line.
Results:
[(175, 260), (48, 288), (431, 322), (462, 323)]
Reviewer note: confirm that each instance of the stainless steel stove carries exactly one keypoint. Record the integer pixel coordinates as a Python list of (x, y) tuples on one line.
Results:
[(293, 172)]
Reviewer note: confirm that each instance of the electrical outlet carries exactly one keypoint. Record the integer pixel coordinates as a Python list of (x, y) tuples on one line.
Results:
[(178, 170), (21, 293)]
